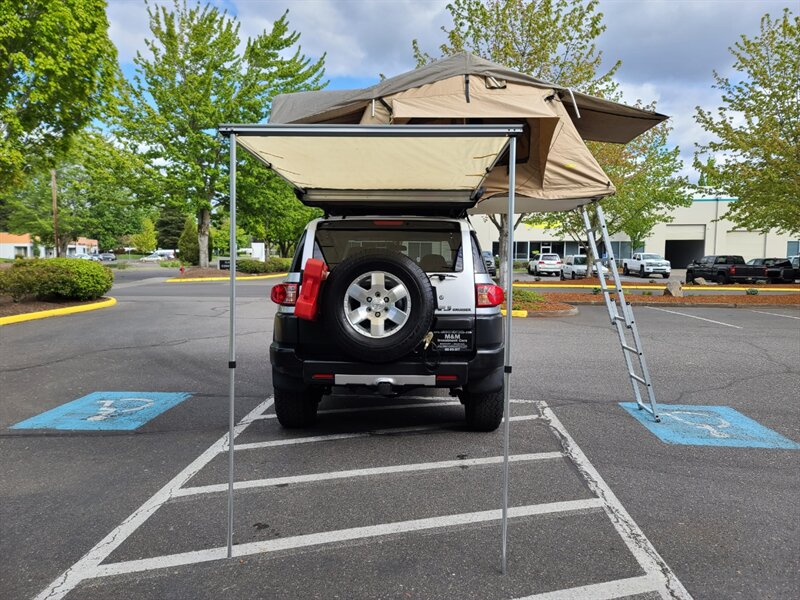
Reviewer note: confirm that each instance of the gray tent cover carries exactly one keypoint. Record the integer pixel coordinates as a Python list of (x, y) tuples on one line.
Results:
[(555, 169)]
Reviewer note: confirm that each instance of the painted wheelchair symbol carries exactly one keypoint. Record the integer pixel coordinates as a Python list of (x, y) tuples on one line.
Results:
[(110, 409), (700, 420)]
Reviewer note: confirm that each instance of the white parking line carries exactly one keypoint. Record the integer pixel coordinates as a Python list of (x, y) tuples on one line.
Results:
[(313, 477), (762, 312), (638, 544), (331, 411), (342, 535), (675, 312), (86, 567), (619, 588), (361, 434)]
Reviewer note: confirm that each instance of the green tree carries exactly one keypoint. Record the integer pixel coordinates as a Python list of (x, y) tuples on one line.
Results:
[(188, 248), (145, 240), (195, 78), (757, 129), (59, 70), (553, 40), (96, 199), (221, 238), (169, 227)]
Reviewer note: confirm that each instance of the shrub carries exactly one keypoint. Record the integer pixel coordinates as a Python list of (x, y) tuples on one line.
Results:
[(524, 298), (596, 291), (170, 263), (276, 264), (249, 265), (57, 278), (752, 292)]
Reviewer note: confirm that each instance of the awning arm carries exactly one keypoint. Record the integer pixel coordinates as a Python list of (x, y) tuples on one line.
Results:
[(327, 130)]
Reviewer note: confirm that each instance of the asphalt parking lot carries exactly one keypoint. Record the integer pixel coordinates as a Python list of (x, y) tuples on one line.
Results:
[(393, 499)]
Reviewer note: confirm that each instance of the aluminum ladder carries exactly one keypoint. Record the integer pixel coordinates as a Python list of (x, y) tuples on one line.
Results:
[(615, 302)]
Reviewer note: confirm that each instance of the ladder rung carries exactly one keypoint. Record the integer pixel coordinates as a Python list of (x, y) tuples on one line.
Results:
[(618, 318), (637, 378), (630, 349)]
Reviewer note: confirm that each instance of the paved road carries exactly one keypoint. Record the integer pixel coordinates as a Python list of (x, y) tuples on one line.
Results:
[(724, 520)]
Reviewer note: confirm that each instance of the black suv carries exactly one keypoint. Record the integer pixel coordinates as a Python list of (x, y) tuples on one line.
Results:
[(407, 304)]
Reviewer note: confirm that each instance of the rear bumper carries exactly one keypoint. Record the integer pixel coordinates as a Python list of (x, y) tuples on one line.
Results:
[(481, 371)]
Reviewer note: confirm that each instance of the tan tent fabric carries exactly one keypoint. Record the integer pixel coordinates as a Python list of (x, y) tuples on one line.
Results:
[(601, 120), (375, 163)]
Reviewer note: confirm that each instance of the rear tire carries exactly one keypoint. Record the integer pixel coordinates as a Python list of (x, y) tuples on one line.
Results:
[(641, 272), (722, 279), (689, 277), (483, 412), (296, 408), (561, 276), (625, 270), (572, 275), (665, 275)]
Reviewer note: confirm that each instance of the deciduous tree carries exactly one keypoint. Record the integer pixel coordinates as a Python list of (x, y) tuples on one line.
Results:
[(58, 69), (145, 240), (757, 129), (197, 74)]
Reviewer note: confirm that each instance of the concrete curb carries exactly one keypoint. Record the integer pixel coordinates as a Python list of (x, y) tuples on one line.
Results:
[(653, 288), (57, 312), (249, 278), (529, 314), (693, 304)]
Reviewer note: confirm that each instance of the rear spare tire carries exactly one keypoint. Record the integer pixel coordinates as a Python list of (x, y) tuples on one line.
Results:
[(378, 305)]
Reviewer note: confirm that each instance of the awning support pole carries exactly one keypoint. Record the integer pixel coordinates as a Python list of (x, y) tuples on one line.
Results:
[(512, 182), (232, 339)]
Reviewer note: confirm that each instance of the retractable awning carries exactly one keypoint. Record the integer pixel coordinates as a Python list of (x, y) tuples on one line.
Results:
[(375, 164)]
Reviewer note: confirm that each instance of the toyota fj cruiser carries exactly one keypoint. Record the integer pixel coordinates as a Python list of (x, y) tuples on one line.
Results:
[(407, 304)]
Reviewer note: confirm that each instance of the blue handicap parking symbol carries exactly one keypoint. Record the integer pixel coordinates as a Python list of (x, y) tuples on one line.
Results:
[(106, 411), (708, 426)]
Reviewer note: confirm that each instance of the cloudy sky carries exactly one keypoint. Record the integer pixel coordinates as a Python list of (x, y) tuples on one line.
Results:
[(668, 48)]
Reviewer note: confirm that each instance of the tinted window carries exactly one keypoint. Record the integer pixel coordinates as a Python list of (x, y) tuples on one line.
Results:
[(579, 260), (736, 260), (651, 257), (477, 256), (434, 246), (549, 257), (298, 254)]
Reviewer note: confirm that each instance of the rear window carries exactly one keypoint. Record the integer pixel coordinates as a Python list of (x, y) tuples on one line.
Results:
[(548, 257), (434, 246), (579, 260)]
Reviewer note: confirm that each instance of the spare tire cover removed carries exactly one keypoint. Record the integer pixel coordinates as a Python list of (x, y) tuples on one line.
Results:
[(378, 305)]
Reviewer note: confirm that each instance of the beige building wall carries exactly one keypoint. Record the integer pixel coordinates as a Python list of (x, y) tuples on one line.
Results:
[(696, 230)]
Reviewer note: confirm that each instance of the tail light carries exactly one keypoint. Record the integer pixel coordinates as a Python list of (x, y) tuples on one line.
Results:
[(558, 262), (541, 262), (488, 295), (284, 294), (732, 270)]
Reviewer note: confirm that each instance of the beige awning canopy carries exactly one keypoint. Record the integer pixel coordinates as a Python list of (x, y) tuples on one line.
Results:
[(329, 164)]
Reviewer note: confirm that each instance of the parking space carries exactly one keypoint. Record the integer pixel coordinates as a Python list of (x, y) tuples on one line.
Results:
[(391, 497), (428, 491)]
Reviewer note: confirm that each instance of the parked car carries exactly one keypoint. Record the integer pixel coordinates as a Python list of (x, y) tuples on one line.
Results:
[(108, 257), (488, 260), (408, 304), (767, 262), (93, 257), (545, 264), (645, 264), (724, 269), (152, 258), (786, 272), (575, 266)]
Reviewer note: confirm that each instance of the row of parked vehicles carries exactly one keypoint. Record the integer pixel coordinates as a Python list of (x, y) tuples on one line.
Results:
[(719, 268), (733, 269)]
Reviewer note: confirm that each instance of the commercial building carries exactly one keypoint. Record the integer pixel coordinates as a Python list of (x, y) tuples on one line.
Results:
[(14, 245), (695, 231)]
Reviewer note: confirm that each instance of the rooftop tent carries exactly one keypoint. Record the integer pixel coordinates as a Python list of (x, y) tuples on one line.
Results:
[(555, 170)]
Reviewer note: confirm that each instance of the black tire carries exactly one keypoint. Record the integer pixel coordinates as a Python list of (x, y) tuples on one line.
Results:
[(529, 270), (689, 277), (572, 275), (722, 279), (296, 408), (561, 276), (483, 412), (626, 270), (641, 272), (665, 275), (403, 338)]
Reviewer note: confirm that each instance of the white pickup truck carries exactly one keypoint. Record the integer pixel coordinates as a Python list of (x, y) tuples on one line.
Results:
[(645, 264)]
